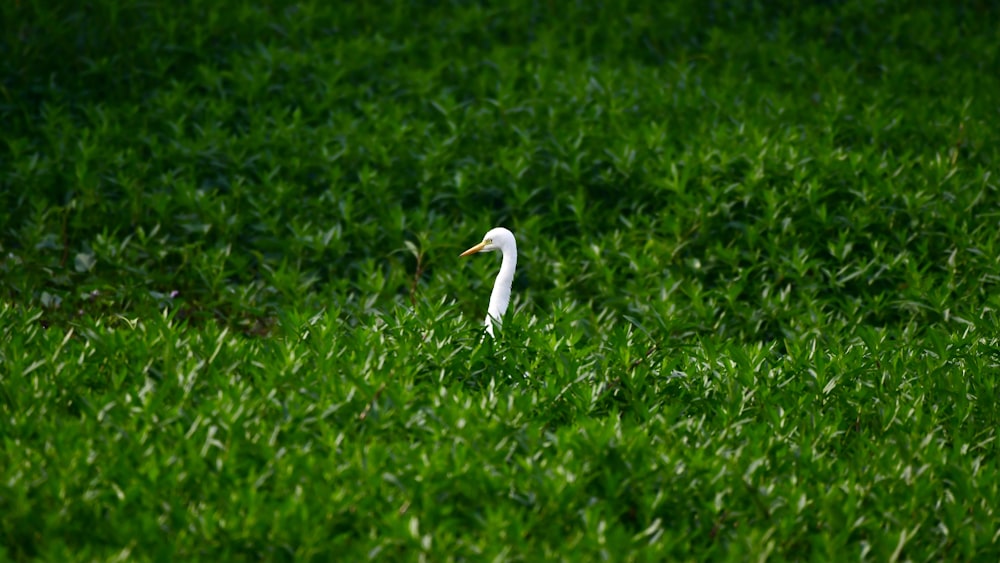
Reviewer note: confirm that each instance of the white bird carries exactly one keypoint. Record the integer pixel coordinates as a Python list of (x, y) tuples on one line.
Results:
[(503, 240)]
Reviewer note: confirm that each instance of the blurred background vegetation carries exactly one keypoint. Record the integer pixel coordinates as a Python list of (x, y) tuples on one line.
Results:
[(250, 156)]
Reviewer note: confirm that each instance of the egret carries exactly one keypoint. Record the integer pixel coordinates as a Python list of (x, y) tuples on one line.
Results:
[(503, 240)]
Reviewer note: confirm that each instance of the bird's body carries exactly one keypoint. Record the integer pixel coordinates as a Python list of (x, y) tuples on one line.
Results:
[(499, 239)]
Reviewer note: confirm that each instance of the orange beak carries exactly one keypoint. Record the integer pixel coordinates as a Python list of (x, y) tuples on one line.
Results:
[(474, 249)]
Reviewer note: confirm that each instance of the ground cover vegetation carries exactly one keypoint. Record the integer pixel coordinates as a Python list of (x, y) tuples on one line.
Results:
[(755, 310)]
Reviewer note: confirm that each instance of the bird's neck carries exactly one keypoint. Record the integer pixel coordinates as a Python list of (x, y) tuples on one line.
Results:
[(500, 297)]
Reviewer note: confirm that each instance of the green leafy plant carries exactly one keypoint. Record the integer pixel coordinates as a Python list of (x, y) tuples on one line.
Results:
[(754, 314)]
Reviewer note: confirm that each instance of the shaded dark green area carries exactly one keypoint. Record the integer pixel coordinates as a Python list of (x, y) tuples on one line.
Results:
[(754, 308)]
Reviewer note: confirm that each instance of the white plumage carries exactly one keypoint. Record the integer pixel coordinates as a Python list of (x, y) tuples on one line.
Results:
[(503, 240)]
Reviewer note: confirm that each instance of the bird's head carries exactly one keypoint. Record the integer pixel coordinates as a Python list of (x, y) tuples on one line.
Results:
[(496, 239)]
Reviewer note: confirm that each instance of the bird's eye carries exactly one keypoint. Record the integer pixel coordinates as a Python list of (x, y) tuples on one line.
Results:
[(489, 241)]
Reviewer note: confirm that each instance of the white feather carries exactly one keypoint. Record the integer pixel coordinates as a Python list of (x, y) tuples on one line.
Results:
[(502, 240)]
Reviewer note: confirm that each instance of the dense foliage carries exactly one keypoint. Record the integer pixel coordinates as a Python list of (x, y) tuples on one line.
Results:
[(755, 307)]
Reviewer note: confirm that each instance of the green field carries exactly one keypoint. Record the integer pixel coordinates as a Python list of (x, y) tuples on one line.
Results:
[(755, 314)]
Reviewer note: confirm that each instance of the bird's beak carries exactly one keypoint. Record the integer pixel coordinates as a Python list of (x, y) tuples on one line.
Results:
[(474, 249)]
